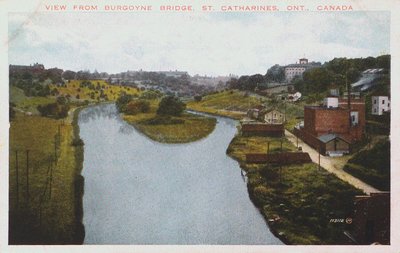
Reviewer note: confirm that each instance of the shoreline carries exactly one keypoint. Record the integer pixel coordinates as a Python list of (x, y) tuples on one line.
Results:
[(79, 180), (270, 225)]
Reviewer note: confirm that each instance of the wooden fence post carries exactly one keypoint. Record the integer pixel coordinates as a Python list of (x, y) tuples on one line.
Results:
[(16, 176), (27, 177)]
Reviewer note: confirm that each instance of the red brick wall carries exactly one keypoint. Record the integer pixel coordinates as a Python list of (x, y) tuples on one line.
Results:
[(356, 132), (320, 121)]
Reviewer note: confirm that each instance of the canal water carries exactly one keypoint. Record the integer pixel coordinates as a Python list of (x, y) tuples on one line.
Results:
[(138, 191)]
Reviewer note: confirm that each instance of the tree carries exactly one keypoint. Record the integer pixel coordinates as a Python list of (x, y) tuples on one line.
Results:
[(137, 106), (122, 101), (171, 105), (198, 98), (69, 75)]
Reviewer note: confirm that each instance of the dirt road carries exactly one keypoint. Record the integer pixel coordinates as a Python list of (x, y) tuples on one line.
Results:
[(332, 164)]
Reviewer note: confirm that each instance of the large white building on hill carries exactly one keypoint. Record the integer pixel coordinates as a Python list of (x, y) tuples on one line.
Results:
[(297, 69)]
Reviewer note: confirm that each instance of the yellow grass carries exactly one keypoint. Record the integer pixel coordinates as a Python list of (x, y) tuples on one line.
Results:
[(112, 91), (194, 127), (36, 134)]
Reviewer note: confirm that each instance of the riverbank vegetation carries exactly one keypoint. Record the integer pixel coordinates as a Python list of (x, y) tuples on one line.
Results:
[(297, 201), (372, 165), (164, 120), (229, 103), (45, 203)]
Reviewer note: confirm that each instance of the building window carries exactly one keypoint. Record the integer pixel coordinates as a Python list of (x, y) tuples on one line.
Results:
[(375, 110), (374, 101), (383, 101)]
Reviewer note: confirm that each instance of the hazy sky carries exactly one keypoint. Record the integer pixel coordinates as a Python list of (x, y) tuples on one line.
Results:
[(213, 44)]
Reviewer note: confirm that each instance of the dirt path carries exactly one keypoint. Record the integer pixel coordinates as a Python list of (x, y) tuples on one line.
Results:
[(332, 164)]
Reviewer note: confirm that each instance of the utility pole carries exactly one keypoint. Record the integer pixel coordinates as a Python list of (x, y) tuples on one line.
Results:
[(267, 147), (55, 148), (27, 177), (319, 158), (51, 179), (281, 144), (16, 176)]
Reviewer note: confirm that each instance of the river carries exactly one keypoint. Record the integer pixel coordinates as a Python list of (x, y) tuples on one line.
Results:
[(138, 191)]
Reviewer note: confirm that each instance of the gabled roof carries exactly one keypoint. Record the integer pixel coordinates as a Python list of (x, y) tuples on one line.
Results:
[(329, 137)]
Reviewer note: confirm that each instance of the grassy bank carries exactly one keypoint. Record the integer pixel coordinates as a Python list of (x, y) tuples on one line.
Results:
[(372, 165), (299, 202), (230, 103), (171, 129), (51, 211), (93, 90)]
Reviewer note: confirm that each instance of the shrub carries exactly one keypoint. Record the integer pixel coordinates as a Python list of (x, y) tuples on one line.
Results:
[(164, 120), (137, 106), (77, 142), (198, 98), (122, 102), (171, 105)]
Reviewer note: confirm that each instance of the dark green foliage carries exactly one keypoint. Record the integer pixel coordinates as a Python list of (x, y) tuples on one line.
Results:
[(53, 110), (151, 94), (163, 120), (198, 98), (171, 105), (57, 110), (275, 74), (122, 101), (11, 111), (77, 142), (137, 106), (373, 165)]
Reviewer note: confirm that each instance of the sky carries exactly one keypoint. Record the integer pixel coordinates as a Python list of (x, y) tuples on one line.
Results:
[(200, 43)]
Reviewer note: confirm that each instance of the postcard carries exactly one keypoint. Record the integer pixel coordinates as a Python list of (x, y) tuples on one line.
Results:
[(188, 126)]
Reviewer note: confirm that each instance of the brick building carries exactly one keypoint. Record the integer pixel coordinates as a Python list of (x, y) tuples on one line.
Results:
[(333, 118)]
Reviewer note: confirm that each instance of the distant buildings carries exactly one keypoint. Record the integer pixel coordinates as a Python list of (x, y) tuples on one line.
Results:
[(368, 79), (333, 126), (380, 105), (175, 73), (35, 68), (297, 69)]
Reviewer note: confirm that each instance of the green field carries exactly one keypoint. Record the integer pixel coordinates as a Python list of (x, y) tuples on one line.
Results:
[(172, 129), (230, 103), (49, 215), (27, 104), (298, 201)]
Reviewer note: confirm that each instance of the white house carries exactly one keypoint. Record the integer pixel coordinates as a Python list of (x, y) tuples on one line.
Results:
[(380, 104), (274, 117)]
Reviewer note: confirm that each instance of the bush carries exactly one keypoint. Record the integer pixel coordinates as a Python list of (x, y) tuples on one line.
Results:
[(137, 106), (122, 102), (55, 110), (198, 98), (171, 105), (164, 120), (77, 142)]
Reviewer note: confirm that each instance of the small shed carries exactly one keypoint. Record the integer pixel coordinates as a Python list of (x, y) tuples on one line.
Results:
[(274, 117), (333, 145)]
